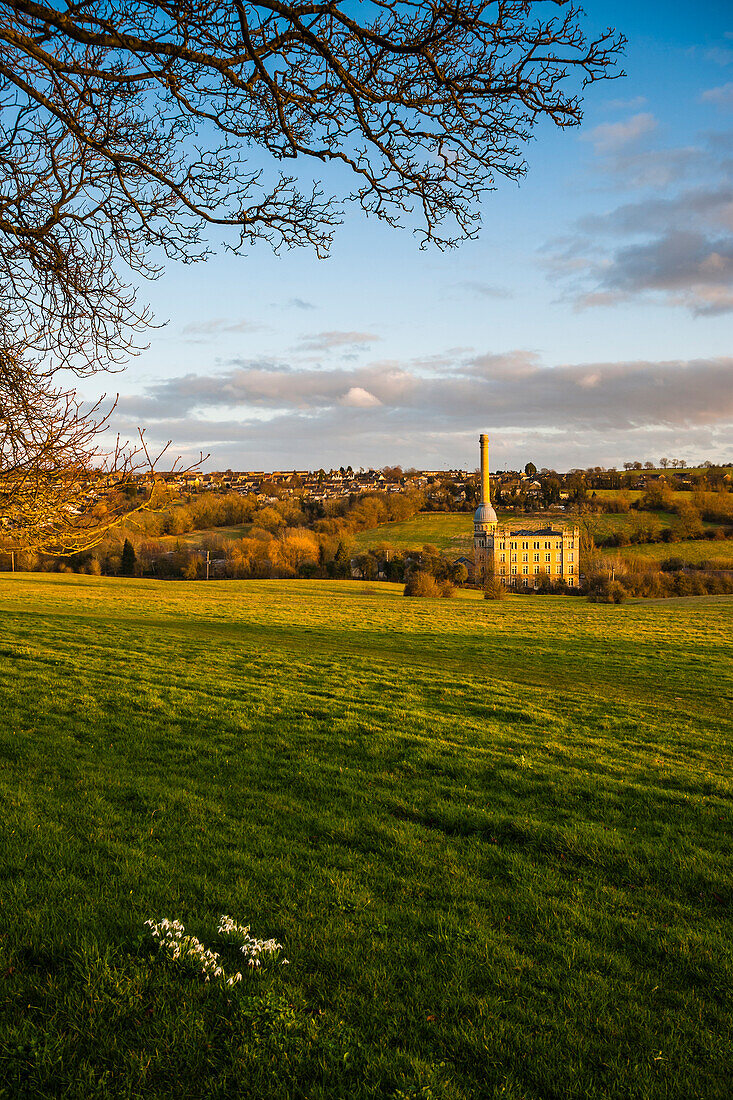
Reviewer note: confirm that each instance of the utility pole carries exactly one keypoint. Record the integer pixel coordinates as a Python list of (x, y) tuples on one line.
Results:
[(208, 555)]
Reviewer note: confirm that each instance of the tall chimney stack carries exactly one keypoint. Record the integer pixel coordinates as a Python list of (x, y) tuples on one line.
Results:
[(485, 491)]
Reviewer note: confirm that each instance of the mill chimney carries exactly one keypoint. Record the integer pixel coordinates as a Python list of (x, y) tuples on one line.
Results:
[(485, 490)]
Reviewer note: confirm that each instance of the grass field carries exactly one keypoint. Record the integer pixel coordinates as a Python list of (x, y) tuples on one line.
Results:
[(692, 552), (453, 531), (194, 539), (446, 530), (684, 495), (493, 838)]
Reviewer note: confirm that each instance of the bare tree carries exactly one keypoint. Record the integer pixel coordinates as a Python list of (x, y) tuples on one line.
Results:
[(61, 490), (109, 108), (130, 128)]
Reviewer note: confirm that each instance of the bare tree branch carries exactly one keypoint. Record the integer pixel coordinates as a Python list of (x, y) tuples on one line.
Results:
[(130, 128), (109, 111)]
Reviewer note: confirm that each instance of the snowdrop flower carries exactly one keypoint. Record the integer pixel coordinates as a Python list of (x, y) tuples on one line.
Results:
[(250, 947), (171, 937)]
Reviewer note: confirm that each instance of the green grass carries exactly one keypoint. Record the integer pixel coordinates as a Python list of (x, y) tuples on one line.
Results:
[(492, 836), (605, 523), (453, 531), (194, 539), (693, 552)]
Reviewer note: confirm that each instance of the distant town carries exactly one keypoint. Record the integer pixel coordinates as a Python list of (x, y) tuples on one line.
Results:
[(513, 489)]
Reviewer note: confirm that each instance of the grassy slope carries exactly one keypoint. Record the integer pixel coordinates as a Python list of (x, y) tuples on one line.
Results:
[(694, 551), (446, 530), (492, 836), (194, 539), (453, 531)]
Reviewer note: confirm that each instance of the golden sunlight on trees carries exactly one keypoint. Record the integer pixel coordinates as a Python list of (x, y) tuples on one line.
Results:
[(129, 129), (60, 492)]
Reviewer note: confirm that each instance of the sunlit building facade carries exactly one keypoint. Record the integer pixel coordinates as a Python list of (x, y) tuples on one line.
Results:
[(520, 557)]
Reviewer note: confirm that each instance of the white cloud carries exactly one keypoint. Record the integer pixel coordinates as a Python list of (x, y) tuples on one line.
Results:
[(610, 137), (721, 96), (219, 325), (327, 341), (626, 104), (510, 390), (359, 398), (484, 290), (674, 251), (720, 55)]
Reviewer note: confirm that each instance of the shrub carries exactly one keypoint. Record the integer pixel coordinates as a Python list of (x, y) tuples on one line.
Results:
[(672, 565), (191, 570), (459, 573), (494, 589), (422, 584), (604, 589)]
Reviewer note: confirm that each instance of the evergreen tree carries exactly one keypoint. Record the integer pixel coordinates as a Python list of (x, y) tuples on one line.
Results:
[(128, 559)]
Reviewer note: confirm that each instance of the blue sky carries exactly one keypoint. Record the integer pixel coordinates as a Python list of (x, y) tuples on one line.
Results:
[(590, 323)]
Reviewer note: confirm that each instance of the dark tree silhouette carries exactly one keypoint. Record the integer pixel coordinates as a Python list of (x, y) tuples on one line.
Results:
[(129, 557), (127, 124)]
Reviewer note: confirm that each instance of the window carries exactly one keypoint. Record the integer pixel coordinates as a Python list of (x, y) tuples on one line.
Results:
[(502, 569), (536, 568), (536, 557), (547, 546), (513, 545), (536, 545), (558, 569), (525, 582), (570, 569), (547, 557), (514, 569), (525, 557), (525, 569), (514, 557), (525, 546), (502, 557), (572, 558)]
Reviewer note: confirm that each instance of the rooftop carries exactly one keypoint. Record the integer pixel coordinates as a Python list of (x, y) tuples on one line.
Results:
[(535, 530)]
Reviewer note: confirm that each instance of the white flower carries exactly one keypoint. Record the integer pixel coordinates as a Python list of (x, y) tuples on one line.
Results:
[(170, 935)]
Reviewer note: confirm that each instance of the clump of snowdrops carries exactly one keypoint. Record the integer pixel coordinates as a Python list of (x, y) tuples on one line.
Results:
[(173, 940)]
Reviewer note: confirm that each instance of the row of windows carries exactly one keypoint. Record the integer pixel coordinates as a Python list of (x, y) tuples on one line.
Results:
[(525, 581), (548, 557), (536, 569), (548, 544), (537, 545)]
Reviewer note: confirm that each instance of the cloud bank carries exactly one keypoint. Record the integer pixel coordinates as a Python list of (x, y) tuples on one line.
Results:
[(388, 411), (673, 246)]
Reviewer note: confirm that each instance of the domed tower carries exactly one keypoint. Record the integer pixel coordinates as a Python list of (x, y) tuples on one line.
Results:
[(484, 519)]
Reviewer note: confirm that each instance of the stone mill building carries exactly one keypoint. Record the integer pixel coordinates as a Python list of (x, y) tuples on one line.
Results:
[(520, 555)]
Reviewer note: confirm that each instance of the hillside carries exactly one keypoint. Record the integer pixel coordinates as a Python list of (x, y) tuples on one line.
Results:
[(449, 531), (492, 838), (717, 554), (453, 531)]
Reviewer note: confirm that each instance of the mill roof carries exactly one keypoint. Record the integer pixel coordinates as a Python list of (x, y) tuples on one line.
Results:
[(535, 531)]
